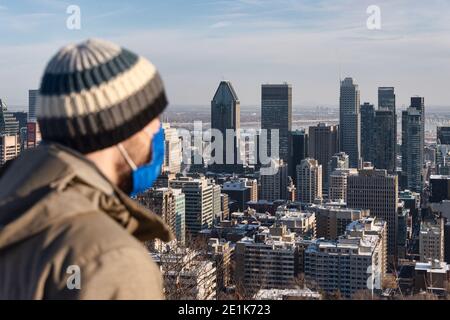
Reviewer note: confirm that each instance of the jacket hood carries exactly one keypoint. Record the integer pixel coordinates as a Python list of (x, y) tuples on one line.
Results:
[(33, 196)]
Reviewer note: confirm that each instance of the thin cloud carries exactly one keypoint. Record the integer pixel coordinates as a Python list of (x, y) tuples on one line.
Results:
[(221, 24)]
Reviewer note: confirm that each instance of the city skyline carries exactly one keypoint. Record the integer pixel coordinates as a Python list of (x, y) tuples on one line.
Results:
[(303, 173), (207, 32)]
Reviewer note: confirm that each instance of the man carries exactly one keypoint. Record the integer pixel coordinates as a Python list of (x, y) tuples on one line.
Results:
[(68, 229)]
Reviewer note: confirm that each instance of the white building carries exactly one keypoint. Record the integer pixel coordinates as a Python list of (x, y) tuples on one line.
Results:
[(9, 148), (173, 151), (309, 181), (180, 215), (338, 184), (198, 202), (355, 262)]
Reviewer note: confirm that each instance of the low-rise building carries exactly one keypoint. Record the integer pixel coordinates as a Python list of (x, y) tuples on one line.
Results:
[(301, 222), (432, 277), (220, 252), (431, 241), (267, 261), (332, 221), (356, 261)]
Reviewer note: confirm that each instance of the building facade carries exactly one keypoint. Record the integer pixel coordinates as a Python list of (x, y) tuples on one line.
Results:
[(276, 114), (377, 191), (350, 121), (346, 265), (413, 135), (199, 203), (323, 144), (309, 181)]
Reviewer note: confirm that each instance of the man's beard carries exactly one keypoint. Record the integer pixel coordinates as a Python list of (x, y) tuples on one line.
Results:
[(126, 173), (126, 180)]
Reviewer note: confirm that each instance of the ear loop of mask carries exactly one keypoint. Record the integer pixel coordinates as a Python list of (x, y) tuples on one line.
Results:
[(125, 154)]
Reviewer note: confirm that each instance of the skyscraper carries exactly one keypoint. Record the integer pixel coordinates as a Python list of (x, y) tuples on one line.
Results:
[(443, 135), (276, 114), (367, 131), (32, 105), (8, 123), (299, 151), (385, 139), (413, 136), (377, 191), (323, 144), (386, 98), (350, 121), (226, 115), (385, 143), (309, 181)]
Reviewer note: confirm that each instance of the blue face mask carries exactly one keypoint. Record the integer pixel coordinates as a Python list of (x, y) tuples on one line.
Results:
[(144, 176)]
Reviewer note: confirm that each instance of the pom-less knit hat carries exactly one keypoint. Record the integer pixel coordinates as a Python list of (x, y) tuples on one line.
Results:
[(95, 94)]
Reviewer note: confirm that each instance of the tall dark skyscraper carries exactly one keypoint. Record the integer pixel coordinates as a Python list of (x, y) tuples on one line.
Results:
[(323, 144), (367, 131), (299, 150), (413, 136), (385, 130), (443, 135), (276, 113), (386, 98), (226, 114), (32, 105), (350, 121), (379, 131), (22, 117), (385, 139)]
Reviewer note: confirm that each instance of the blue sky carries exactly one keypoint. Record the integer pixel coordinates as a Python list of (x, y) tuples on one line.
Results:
[(196, 43)]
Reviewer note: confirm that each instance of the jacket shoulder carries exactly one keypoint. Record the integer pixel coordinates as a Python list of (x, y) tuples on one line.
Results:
[(111, 263)]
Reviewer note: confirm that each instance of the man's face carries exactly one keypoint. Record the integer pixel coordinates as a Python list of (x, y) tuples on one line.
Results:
[(139, 149), (139, 145)]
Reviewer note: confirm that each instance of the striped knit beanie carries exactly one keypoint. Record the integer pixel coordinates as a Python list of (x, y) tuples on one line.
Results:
[(95, 94)]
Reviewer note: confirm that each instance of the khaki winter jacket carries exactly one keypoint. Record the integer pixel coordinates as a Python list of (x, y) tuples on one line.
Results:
[(67, 233)]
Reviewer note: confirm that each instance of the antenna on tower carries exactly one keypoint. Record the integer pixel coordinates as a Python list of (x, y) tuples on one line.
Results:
[(340, 65)]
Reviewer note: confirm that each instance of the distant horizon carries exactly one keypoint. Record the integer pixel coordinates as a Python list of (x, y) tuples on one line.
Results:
[(16, 108)]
